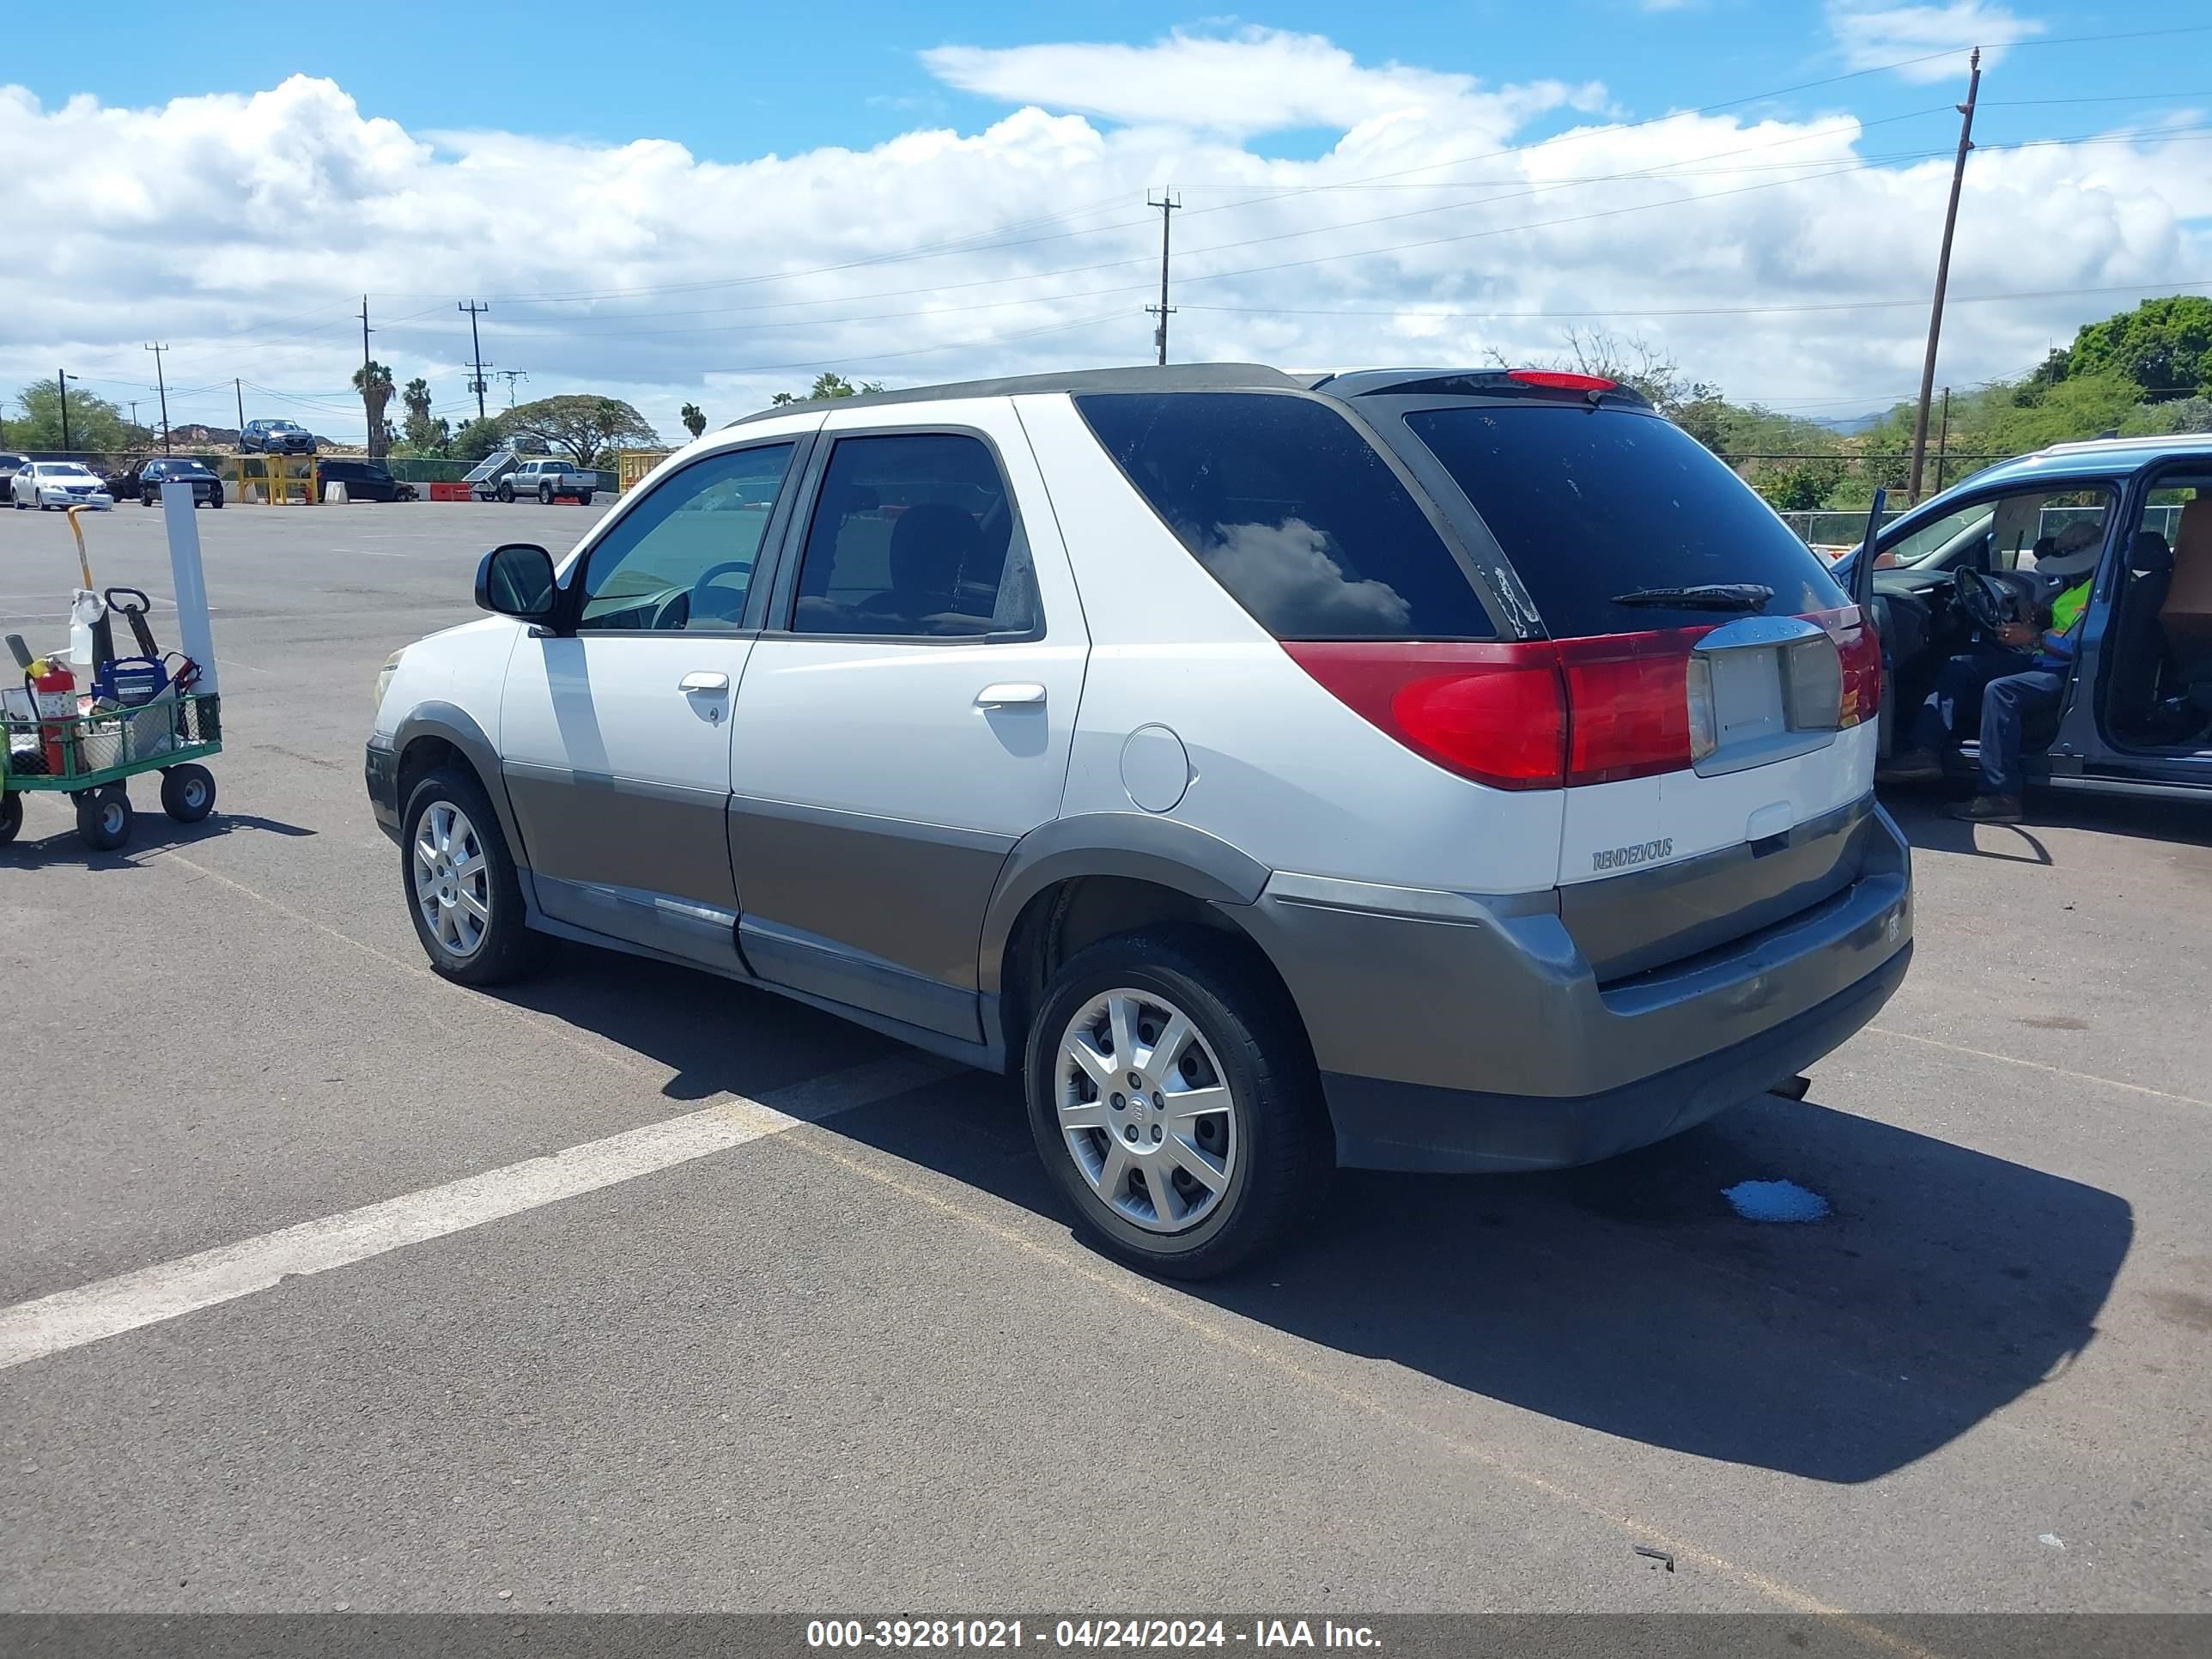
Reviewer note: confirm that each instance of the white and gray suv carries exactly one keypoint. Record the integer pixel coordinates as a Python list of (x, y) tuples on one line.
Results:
[(1410, 769)]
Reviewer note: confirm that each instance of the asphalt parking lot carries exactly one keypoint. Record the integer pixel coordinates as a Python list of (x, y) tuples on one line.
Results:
[(853, 1359)]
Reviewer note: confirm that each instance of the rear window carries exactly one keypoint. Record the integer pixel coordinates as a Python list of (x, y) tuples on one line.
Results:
[(1590, 505), (1292, 512)]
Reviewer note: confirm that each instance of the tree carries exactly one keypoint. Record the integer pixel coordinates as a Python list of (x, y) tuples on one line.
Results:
[(585, 427), (2164, 346), (94, 423), (373, 381), (829, 384), (694, 421), (478, 438), (422, 430)]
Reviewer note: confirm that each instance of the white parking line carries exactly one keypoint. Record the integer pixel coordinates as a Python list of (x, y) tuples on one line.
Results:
[(69, 1319)]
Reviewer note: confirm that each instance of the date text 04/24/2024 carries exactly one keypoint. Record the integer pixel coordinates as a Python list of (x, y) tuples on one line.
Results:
[(1088, 1635)]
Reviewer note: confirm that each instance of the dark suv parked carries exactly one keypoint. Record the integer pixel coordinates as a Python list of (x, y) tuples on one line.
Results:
[(142, 480), (367, 481)]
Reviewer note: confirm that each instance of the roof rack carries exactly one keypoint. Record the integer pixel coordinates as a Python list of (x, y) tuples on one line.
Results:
[(1172, 377)]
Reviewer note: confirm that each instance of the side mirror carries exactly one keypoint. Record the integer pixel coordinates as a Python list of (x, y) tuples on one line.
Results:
[(516, 580)]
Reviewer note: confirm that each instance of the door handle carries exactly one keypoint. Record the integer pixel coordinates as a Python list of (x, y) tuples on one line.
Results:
[(1010, 694), (703, 682)]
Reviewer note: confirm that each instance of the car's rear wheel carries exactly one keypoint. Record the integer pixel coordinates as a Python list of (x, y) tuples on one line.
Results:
[(462, 892), (583, 500), (1173, 1098), (11, 815), (545, 495)]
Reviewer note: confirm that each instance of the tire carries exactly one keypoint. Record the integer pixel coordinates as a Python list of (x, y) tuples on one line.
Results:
[(104, 818), (1270, 1146), (11, 816), (147, 498), (495, 947), (583, 500), (545, 495), (187, 793), (506, 491), (215, 498)]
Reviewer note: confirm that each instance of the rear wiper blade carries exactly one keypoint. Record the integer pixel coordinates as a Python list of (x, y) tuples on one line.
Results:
[(1708, 596)]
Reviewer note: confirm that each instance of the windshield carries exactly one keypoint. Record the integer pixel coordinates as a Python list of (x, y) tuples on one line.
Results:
[(1593, 508), (63, 470)]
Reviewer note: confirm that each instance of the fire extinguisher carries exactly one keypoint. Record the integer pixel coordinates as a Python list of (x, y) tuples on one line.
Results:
[(53, 695)]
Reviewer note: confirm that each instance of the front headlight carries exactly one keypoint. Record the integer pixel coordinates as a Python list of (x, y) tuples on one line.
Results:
[(384, 676)]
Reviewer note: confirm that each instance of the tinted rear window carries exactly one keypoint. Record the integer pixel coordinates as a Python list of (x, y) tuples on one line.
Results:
[(1589, 505), (1292, 512)]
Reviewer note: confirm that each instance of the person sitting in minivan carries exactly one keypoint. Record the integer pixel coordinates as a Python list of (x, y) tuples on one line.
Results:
[(2021, 675)]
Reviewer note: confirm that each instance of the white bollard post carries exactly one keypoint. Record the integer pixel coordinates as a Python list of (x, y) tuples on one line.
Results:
[(195, 631), (334, 495)]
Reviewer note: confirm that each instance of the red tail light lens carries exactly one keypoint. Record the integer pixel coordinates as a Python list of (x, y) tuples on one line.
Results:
[(1859, 648), (1630, 702), (1493, 713), (1533, 716)]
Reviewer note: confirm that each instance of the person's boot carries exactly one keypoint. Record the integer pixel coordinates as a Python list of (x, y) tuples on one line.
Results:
[(1989, 809), (1911, 766)]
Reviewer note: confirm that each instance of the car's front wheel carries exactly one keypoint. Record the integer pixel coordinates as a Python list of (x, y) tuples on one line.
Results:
[(506, 492), (1174, 1099), (461, 887)]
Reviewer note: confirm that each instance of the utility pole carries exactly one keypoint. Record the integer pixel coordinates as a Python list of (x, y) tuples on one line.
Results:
[(476, 348), (61, 378), (511, 375), (162, 383), (1943, 441), (134, 414), (1167, 205), (367, 372), (1943, 272), (239, 391)]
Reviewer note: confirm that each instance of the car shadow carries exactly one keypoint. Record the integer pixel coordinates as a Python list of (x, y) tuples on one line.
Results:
[(1626, 1296), (1921, 811), (150, 833)]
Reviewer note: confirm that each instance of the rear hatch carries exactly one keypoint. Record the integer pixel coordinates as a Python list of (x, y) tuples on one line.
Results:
[(1718, 689)]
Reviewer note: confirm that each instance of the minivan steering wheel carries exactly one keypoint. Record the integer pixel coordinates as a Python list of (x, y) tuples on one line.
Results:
[(1982, 600)]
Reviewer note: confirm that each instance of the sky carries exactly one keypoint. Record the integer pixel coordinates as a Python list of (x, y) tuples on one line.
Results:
[(710, 205)]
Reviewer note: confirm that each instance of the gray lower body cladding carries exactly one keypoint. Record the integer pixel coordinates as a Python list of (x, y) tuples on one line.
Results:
[(1455, 1034)]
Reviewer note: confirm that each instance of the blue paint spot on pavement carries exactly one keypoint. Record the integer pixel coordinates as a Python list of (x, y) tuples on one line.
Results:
[(1775, 1201)]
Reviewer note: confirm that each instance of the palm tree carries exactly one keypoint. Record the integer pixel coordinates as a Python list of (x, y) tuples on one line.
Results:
[(373, 381)]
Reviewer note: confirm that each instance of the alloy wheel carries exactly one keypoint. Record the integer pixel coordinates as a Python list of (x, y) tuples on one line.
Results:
[(1146, 1110), (452, 879)]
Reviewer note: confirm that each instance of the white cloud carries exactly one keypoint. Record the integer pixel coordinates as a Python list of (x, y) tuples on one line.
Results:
[(1872, 34), (1250, 82), (242, 229)]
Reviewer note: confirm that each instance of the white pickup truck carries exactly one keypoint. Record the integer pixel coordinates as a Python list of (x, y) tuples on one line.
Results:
[(545, 478)]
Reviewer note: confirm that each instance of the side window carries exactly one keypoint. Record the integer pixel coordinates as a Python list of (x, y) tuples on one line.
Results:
[(914, 533), (682, 559), (1292, 511)]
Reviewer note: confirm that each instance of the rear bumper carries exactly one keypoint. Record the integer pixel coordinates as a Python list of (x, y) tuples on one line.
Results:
[(1460, 1033)]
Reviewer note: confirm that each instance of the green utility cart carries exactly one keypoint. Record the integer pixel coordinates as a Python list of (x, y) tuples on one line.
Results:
[(89, 756)]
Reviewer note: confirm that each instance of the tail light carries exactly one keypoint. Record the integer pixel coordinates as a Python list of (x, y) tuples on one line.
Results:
[(1536, 715), (1859, 648)]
